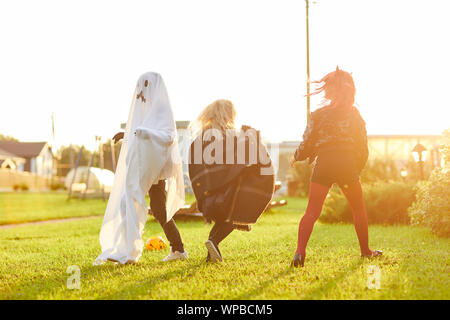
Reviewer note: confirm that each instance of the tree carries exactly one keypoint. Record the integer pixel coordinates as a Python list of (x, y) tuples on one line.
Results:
[(432, 207), (69, 154), (68, 158), (7, 138), (107, 154)]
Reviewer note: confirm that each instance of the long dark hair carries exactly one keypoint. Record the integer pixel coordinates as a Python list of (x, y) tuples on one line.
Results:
[(338, 87)]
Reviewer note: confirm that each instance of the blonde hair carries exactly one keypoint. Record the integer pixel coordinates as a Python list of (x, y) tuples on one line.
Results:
[(339, 88), (218, 115)]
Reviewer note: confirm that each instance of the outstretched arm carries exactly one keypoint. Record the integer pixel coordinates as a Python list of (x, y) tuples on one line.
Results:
[(161, 136), (304, 150)]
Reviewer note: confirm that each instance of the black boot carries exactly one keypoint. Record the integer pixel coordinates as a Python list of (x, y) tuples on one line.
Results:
[(298, 261)]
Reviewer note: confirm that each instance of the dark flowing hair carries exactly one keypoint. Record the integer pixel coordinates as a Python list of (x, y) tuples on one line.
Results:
[(338, 87)]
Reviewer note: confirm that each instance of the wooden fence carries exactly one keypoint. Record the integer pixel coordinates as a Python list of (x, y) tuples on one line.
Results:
[(9, 178)]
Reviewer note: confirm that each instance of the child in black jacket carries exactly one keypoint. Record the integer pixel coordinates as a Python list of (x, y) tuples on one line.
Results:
[(336, 138)]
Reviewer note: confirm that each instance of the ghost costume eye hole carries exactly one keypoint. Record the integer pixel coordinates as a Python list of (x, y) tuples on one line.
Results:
[(146, 83)]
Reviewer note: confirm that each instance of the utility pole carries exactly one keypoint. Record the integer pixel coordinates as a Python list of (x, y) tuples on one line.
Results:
[(113, 156), (102, 164), (308, 100), (75, 172), (91, 162), (53, 148)]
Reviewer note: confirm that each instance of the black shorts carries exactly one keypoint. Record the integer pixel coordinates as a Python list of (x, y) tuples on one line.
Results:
[(335, 167)]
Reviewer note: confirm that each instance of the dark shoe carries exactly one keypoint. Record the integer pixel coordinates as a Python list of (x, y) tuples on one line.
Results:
[(298, 261), (213, 251), (374, 254)]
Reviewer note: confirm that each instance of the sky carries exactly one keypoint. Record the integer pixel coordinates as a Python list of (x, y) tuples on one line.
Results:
[(81, 59)]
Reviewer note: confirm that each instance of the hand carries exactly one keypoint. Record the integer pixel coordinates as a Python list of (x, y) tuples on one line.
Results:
[(292, 161), (141, 133), (118, 136)]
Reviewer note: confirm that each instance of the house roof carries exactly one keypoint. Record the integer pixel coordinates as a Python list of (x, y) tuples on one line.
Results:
[(5, 154), (8, 155), (22, 149)]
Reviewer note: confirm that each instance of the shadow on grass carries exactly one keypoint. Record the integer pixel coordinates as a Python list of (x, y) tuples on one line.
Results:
[(331, 282), (27, 238), (151, 282), (257, 290), (91, 273)]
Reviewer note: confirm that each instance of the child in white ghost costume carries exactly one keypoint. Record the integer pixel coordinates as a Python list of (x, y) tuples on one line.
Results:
[(149, 160)]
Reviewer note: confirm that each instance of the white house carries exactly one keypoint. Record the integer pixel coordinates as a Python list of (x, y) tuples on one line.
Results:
[(33, 157), (10, 161)]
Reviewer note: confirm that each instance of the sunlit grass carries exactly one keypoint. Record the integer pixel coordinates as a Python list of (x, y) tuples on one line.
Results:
[(18, 207), (34, 260), (26, 207)]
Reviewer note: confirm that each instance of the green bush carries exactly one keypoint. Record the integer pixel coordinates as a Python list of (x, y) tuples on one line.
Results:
[(21, 186), (432, 207), (386, 203), (54, 186), (301, 174), (388, 169), (375, 170), (380, 169)]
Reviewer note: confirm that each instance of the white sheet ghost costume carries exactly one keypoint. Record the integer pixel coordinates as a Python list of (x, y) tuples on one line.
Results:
[(149, 153)]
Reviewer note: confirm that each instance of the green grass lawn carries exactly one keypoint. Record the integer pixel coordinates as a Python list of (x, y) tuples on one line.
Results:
[(416, 265), (17, 207)]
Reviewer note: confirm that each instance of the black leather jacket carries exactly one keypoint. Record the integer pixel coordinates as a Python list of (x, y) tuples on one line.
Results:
[(332, 128)]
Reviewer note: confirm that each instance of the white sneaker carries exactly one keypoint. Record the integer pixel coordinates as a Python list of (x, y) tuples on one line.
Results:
[(177, 255)]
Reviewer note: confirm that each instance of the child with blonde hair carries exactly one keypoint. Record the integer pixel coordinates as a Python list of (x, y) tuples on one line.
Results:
[(228, 181)]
